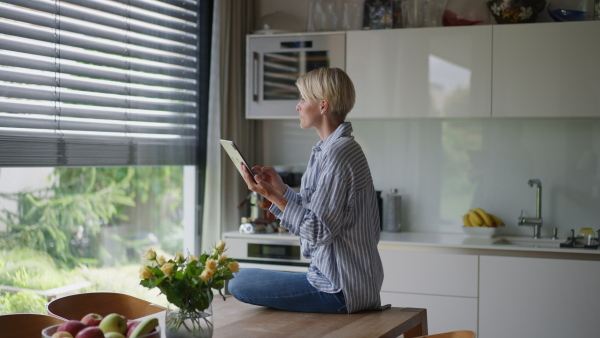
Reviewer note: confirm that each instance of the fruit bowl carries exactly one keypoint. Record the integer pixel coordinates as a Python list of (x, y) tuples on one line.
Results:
[(50, 330), (488, 232)]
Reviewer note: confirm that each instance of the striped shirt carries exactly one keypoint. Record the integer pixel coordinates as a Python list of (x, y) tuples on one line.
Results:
[(337, 219)]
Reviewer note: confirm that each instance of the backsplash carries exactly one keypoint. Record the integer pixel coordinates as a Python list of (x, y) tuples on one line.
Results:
[(443, 167)]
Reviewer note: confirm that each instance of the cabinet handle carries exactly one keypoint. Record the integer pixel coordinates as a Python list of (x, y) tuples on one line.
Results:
[(255, 77)]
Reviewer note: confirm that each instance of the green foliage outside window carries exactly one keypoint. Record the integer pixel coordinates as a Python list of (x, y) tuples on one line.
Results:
[(85, 220)]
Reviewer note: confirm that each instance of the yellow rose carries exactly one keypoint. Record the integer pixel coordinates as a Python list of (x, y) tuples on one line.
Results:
[(220, 245), (145, 272), (234, 266), (211, 264), (206, 274), (150, 254), (179, 258), (167, 268), (222, 258), (192, 258), (161, 260)]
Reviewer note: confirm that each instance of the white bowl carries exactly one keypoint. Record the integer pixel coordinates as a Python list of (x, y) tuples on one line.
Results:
[(480, 231)]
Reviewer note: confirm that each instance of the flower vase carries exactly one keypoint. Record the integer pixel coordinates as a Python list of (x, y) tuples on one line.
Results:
[(184, 324)]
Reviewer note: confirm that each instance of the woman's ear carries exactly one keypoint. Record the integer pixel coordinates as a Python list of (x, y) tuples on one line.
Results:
[(323, 106)]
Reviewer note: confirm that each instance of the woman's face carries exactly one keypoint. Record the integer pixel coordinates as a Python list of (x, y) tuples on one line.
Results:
[(310, 114)]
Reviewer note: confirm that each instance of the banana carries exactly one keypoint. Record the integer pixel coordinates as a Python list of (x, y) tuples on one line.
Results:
[(466, 220), (144, 327), (487, 220), (474, 218), (497, 220)]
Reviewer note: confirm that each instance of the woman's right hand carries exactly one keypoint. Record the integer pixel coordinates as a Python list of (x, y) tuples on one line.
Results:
[(269, 175), (267, 183)]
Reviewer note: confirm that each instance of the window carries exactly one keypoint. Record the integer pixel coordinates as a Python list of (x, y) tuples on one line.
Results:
[(101, 131)]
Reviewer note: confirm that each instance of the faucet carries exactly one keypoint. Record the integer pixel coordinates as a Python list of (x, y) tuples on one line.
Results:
[(537, 221)]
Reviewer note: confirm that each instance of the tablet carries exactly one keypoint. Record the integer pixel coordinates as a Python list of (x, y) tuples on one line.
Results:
[(235, 155)]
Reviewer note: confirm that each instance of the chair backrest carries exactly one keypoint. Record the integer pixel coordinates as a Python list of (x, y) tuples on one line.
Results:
[(26, 325), (453, 334), (103, 303)]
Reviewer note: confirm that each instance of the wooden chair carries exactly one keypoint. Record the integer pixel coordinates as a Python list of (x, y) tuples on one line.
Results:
[(103, 303), (26, 325), (453, 334)]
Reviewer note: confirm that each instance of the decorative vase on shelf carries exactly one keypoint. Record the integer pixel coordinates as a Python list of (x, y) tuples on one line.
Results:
[(188, 324), (516, 11)]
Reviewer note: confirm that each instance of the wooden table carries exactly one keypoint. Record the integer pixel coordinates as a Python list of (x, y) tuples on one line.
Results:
[(235, 319)]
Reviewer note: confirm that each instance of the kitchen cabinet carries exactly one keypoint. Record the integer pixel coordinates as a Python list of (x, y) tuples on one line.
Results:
[(445, 284), (546, 70), (421, 72), (538, 297)]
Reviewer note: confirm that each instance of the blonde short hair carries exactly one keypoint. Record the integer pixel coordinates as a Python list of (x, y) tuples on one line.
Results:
[(330, 84)]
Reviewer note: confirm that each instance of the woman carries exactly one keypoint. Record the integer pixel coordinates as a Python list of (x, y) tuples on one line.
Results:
[(335, 214)]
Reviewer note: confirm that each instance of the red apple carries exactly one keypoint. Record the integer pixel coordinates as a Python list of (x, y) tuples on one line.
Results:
[(62, 334), (71, 326), (131, 325), (90, 332), (91, 319)]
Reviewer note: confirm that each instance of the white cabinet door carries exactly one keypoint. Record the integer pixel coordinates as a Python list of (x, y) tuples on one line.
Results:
[(546, 70), (430, 273), (538, 297), (424, 72), (444, 313)]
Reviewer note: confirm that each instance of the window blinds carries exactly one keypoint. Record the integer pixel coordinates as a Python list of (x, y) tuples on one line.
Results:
[(98, 82)]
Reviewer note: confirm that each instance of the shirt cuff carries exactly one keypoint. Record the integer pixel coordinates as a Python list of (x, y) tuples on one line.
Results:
[(288, 195)]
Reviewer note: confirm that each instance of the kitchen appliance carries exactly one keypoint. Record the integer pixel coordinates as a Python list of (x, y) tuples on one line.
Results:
[(276, 251), (584, 240), (274, 63)]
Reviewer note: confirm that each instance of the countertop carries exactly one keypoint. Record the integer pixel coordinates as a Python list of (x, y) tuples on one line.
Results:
[(459, 243), (499, 245)]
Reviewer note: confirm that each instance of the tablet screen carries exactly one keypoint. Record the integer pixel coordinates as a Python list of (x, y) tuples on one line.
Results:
[(235, 155)]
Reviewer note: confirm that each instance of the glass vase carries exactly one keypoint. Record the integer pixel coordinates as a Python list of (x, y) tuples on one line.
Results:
[(184, 324)]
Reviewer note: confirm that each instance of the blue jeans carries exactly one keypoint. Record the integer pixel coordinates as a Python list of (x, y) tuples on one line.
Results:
[(289, 291)]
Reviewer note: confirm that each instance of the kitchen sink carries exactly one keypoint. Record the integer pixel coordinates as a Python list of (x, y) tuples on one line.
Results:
[(529, 242)]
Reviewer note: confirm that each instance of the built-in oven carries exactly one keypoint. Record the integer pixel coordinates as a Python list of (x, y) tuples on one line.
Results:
[(274, 251), (274, 63)]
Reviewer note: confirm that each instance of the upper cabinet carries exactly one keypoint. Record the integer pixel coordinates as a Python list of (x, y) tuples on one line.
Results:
[(546, 70), (274, 62), (510, 70), (421, 72)]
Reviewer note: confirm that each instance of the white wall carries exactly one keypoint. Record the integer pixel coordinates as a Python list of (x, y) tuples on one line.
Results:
[(444, 167)]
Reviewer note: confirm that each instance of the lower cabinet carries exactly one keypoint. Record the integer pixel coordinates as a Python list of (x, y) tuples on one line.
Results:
[(538, 297), (445, 284)]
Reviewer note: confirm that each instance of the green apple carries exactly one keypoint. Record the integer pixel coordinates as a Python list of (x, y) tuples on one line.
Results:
[(113, 322), (62, 334), (114, 335)]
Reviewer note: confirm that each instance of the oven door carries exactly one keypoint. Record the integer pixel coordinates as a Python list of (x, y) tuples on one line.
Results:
[(280, 252)]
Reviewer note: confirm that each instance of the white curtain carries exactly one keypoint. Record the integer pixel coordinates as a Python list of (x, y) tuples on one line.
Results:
[(225, 189), (211, 219)]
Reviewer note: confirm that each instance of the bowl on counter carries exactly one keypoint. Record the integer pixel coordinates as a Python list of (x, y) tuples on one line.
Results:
[(516, 11), (565, 14), (487, 232)]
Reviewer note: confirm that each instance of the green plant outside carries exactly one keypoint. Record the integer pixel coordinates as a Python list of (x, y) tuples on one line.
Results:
[(84, 226)]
